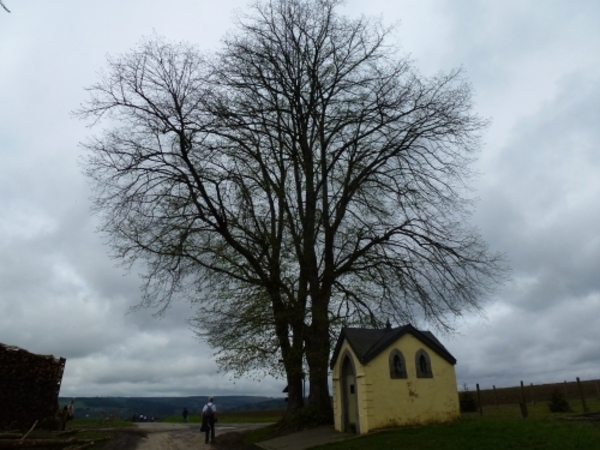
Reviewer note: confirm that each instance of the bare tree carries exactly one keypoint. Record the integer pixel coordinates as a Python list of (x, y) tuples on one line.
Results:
[(303, 178)]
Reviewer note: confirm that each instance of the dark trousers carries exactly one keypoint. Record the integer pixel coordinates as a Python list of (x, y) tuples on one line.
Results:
[(209, 426)]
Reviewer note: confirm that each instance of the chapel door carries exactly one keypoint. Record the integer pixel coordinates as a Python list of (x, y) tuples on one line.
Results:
[(349, 398)]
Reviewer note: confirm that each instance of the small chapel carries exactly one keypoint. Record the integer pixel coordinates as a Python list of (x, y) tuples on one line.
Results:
[(391, 377)]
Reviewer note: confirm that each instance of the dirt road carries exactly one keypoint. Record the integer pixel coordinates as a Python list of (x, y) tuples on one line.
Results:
[(182, 436)]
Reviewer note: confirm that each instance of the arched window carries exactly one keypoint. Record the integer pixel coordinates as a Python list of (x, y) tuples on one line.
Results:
[(397, 364), (423, 364)]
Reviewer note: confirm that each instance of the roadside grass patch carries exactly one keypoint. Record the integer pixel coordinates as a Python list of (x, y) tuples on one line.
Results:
[(233, 417), (497, 434), (192, 418), (84, 423), (500, 428), (261, 434)]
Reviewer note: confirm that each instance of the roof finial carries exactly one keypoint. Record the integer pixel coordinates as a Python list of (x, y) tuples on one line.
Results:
[(388, 325)]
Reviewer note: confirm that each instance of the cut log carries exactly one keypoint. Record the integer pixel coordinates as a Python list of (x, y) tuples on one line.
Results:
[(32, 443), (30, 430), (79, 447)]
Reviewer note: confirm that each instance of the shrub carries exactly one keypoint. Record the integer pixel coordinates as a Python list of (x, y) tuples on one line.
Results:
[(467, 401), (558, 402), (308, 417)]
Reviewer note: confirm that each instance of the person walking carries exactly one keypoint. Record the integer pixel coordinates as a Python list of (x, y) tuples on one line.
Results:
[(71, 409), (209, 418), (185, 415), (67, 414)]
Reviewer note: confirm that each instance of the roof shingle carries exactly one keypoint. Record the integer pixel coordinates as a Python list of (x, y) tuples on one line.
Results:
[(367, 343)]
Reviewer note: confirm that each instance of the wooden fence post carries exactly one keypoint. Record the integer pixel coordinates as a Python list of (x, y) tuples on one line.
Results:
[(496, 396), (585, 408), (479, 400), (523, 403)]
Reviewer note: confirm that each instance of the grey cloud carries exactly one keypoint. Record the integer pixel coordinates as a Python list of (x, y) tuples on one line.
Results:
[(539, 197), (534, 71), (541, 208)]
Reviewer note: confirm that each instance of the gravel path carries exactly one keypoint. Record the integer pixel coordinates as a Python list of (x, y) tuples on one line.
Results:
[(181, 436)]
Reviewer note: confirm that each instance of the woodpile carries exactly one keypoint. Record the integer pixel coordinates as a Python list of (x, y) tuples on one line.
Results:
[(71, 444), (30, 385), (12, 441)]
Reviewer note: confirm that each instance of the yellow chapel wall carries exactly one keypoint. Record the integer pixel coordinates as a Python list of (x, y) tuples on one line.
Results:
[(411, 400), (385, 402)]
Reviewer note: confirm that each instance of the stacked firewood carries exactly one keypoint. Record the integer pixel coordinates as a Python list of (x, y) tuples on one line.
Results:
[(18, 440), (29, 390)]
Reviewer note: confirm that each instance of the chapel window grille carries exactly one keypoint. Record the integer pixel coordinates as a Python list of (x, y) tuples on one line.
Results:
[(397, 365), (423, 364)]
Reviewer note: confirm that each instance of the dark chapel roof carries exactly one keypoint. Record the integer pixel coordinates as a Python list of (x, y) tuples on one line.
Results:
[(367, 343)]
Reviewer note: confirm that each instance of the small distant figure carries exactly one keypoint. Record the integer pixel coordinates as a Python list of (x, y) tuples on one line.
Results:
[(185, 415), (209, 418), (67, 414), (70, 408)]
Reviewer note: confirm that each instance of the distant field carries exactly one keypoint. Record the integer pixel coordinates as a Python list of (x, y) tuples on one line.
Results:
[(161, 407), (88, 423), (234, 417)]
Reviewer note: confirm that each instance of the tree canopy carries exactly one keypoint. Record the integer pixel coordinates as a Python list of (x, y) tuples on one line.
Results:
[(302, 178)]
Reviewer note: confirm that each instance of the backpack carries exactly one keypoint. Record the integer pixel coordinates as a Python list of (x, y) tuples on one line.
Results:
[(209, 411)]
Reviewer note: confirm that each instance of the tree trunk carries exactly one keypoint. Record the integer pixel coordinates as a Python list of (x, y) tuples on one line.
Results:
[(295, 399), (319, 398), (292, 361), (317, 357)]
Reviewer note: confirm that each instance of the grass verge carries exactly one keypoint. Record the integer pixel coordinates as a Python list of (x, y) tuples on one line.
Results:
[(501, 434), (498, 429)]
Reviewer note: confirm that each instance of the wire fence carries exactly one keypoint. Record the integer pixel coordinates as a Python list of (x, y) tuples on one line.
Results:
[(584, 391)]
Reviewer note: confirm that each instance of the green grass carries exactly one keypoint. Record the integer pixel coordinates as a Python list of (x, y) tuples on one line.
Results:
[(194, 418), (500, 434), (498, 429), (261, 434), (85, 423)]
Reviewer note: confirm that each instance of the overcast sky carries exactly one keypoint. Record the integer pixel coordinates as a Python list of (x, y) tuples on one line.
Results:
[(535, 70)]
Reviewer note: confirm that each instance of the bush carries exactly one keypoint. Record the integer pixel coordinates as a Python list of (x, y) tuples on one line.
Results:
[(467, 401), (308, 417), (558, 402)]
